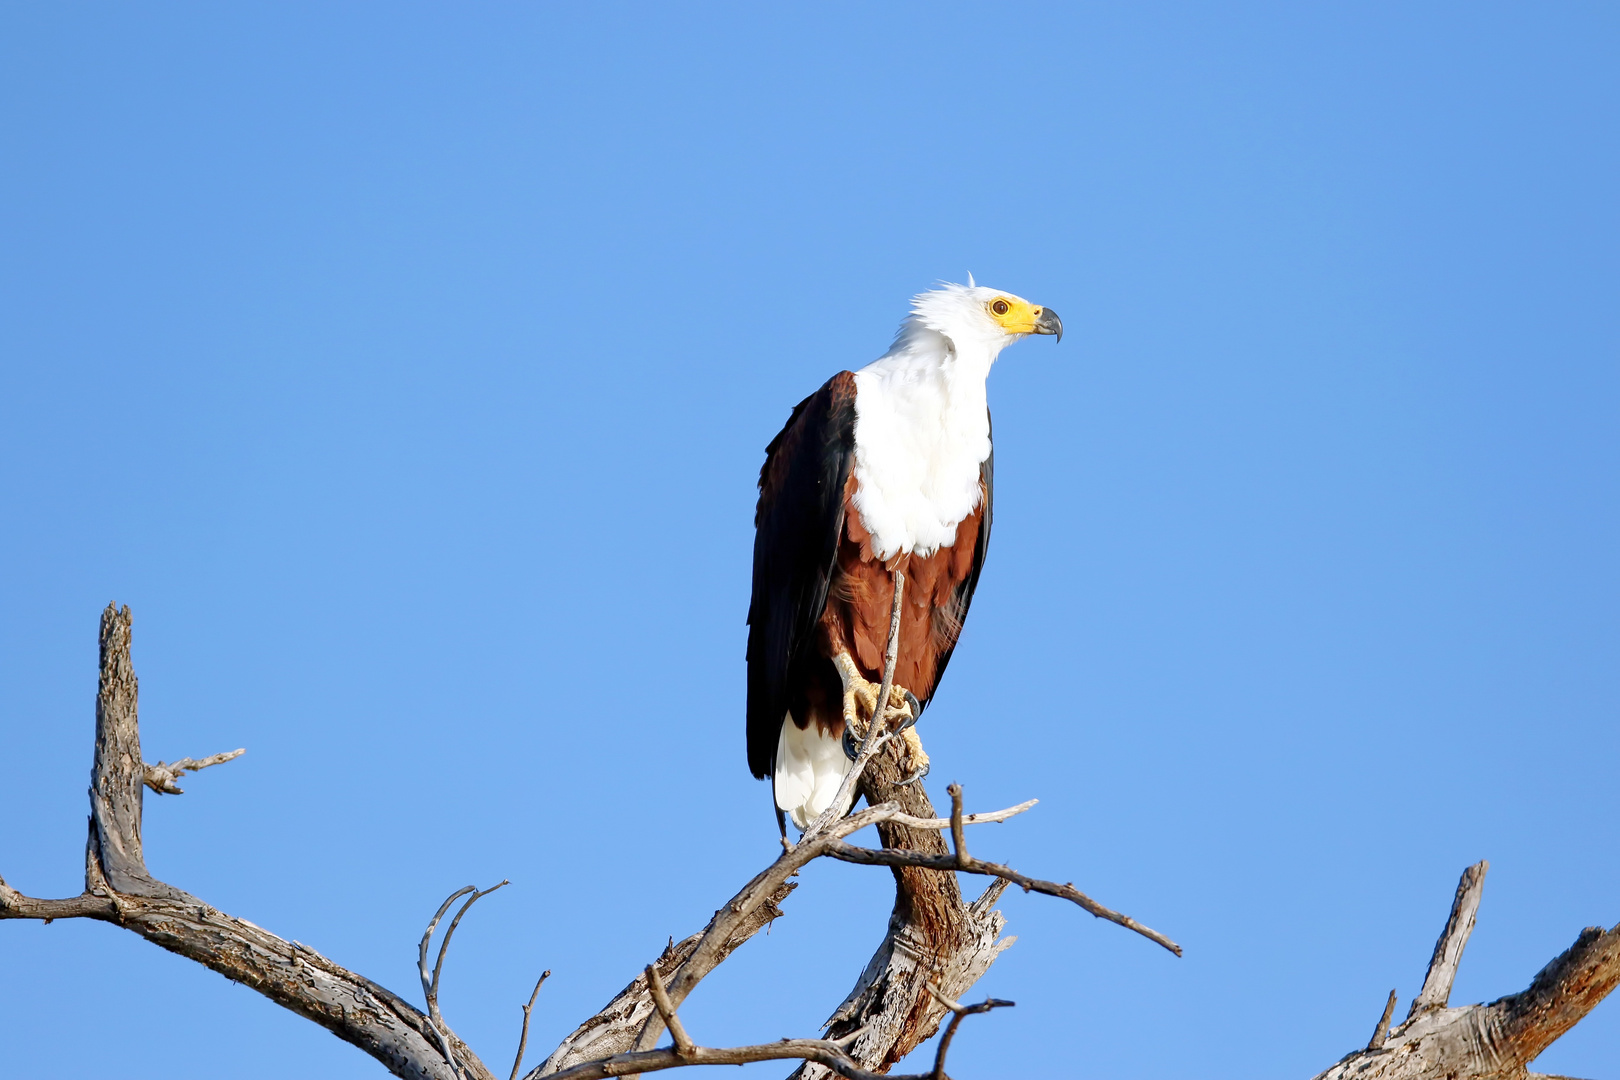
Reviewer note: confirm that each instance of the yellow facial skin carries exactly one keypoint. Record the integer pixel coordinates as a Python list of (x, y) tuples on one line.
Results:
[(1015, 316)]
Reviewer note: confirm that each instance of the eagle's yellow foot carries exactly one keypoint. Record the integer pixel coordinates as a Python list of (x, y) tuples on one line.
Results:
[(860, 703), (913, 757)]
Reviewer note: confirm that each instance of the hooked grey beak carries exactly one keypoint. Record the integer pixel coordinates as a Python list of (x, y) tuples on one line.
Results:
[(1049, 323)]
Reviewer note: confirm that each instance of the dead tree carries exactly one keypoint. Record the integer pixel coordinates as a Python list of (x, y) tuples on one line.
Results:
[(936, 947)]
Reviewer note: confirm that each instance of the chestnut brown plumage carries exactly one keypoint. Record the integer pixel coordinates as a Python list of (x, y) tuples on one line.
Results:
[(820, 589)]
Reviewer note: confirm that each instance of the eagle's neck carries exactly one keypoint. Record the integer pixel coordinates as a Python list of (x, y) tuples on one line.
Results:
[(922, 430)]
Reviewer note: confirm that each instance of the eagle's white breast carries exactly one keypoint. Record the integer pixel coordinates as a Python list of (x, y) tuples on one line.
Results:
[(922, 429)]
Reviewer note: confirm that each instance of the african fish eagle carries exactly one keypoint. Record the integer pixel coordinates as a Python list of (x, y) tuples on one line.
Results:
[(884, 468)]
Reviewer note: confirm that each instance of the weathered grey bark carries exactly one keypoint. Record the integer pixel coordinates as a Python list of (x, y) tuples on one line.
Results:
[(118, 889), (1485, 1042), (1448, 951), (117, 774)]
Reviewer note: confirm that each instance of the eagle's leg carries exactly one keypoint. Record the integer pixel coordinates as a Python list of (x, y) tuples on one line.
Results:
[(860, 704)]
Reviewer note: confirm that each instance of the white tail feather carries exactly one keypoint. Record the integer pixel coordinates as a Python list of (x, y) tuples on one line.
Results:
[(809, 767)]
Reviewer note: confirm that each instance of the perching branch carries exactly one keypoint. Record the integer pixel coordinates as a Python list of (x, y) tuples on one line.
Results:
[(876, 732)]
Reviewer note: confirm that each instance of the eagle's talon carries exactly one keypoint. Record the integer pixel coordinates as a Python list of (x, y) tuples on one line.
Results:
[(915, 707), (916, 776)]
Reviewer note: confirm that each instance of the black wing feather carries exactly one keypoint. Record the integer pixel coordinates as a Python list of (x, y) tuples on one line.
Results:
[(797, 526)]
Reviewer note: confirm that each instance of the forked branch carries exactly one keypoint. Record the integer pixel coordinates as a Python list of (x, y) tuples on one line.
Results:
[(119, 890), (430, 980), (1484, 1042)]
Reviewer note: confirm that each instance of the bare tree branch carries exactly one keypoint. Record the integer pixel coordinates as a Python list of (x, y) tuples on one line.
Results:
[(982, 818), (528, 1010), (1486, 1042), (117, 773), (119, 890), (877, 731), (936, 947), (961, 860), (430, 982), (960, 1011), (1562, 993), (444, 946), (660, 994), (614, 1028), (1448, 949), (162, 776)]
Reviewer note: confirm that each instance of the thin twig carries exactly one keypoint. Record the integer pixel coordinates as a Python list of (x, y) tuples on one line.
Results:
[(444, 946), (430, 989), (162, 776), (961, 860), (982, 818), (958, 837), (660, 996), (891, 657), (430, 980), (892, 857), (959, 1010), (523, 1040)]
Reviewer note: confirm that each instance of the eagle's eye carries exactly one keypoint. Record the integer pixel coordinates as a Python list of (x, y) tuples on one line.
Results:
[(1000, 307)]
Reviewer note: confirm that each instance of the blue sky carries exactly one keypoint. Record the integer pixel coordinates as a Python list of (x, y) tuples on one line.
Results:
[(407, 369)]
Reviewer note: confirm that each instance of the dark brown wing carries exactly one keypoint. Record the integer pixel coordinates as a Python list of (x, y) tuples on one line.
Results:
[(796, 529)]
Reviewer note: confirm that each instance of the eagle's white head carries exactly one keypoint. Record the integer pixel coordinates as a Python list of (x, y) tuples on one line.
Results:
[(978, 319)]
